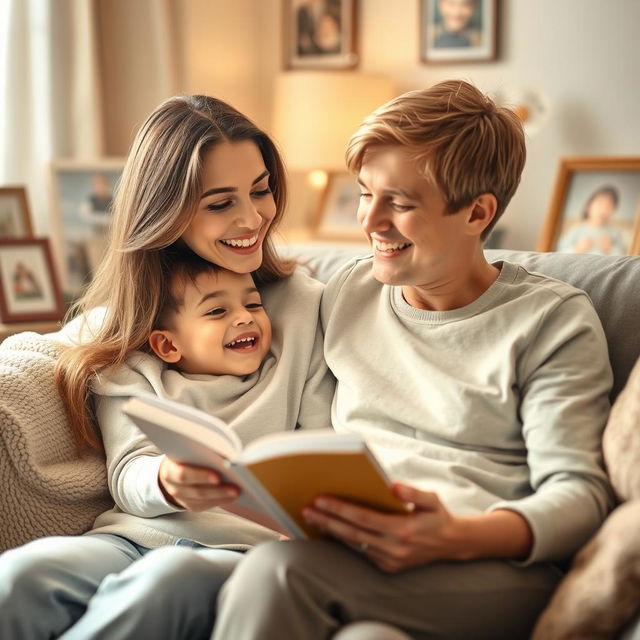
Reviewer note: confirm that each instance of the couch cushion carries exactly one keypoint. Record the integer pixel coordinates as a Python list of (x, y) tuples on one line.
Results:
[(47, 489), (601, 592), (621, 441)]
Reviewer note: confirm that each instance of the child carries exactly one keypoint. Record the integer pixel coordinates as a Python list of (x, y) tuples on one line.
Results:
[(211, 322)]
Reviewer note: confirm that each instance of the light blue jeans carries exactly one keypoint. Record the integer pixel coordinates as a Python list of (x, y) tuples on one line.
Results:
[(104, 586)]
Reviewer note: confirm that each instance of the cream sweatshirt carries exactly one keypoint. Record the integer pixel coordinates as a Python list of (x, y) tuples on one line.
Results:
[(499, 404)]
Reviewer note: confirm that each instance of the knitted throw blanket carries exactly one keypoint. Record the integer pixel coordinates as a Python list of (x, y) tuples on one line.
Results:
[(45, 488)]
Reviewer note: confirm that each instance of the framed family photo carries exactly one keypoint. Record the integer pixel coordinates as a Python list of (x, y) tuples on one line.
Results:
[(320, 34), (595, 207), (29, 287), (458, 30), (15, 221), (82, 196), (336, 217)]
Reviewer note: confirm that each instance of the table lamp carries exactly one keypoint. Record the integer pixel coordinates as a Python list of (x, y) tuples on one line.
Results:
[(316, 112)]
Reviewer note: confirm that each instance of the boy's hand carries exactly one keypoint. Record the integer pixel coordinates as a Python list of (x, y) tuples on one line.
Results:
[(194, 488)]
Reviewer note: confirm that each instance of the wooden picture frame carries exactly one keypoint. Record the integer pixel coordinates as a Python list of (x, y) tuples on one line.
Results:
[(320, 34), (595, 207), (29, 286), (15, 220), (336, 215), (81, 197), (458, 31)]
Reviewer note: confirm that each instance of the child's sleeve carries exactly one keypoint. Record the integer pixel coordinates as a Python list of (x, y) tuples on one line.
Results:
[(133, 460)]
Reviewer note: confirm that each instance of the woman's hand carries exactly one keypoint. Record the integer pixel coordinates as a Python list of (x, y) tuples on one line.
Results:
[(194, 488), (428, 533)]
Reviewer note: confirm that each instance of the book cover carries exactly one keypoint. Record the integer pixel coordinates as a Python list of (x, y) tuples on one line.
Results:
[(278, 474)]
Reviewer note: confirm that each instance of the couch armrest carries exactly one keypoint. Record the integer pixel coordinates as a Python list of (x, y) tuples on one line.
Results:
[(46, 488)]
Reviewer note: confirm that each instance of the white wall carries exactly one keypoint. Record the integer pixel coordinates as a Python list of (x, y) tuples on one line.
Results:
[(583, 54)]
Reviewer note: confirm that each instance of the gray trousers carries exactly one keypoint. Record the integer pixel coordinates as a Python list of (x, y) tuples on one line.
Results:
[(309, 590), (105, 587)]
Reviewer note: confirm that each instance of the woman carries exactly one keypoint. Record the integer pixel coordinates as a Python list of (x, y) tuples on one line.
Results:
[(202, 176)]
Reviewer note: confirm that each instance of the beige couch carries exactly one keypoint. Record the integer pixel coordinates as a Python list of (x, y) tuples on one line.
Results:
[(48, 490)]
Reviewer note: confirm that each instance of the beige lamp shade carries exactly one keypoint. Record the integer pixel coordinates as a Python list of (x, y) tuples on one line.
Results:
[(315, 114)]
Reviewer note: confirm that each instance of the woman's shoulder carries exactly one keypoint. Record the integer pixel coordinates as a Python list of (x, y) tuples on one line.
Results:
[(355, 272), (350, 288), (299, 284)]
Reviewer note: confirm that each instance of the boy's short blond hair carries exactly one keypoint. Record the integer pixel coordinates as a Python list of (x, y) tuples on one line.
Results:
[(464, 142)]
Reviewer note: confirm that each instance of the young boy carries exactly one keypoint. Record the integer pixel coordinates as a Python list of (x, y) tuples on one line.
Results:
[(212, 321)]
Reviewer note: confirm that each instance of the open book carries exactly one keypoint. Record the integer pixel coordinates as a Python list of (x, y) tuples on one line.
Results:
[(278, 474)]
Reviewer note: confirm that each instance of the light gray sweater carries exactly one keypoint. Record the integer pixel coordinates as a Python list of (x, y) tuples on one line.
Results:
[(501, 403), (292, 387)]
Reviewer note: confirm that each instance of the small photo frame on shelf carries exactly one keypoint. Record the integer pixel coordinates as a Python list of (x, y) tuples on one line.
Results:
[(15, 221), (320, 34), (82, 197), (458, 30), (336, 217), (595, 207), (29, 287)]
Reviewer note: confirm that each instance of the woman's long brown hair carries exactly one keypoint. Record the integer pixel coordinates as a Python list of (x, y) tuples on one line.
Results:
[(155, 200)]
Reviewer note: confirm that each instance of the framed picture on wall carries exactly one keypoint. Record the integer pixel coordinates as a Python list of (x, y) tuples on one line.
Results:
[(320, 34), (82, 195), (458, 30), (15, 221), (336, 218), (595, 207), (29, 288)]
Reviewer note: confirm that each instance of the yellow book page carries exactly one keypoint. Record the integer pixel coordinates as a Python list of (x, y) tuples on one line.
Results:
[(295, 480)]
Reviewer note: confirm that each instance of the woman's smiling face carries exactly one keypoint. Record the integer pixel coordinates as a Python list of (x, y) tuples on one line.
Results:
[(236, 207)]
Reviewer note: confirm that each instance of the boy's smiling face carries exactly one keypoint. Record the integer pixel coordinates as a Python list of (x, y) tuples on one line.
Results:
[(221, 328)]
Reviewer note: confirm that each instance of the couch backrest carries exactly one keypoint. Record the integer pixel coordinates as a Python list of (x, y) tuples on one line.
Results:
[(612, 283)]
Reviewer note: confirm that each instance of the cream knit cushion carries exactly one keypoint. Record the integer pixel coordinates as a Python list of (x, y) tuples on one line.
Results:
[(621, 441), (46, 488), (601, 592)]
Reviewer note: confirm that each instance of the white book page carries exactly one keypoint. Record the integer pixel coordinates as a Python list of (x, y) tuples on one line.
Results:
[(196, 425), (276, 445), (191, 436)]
